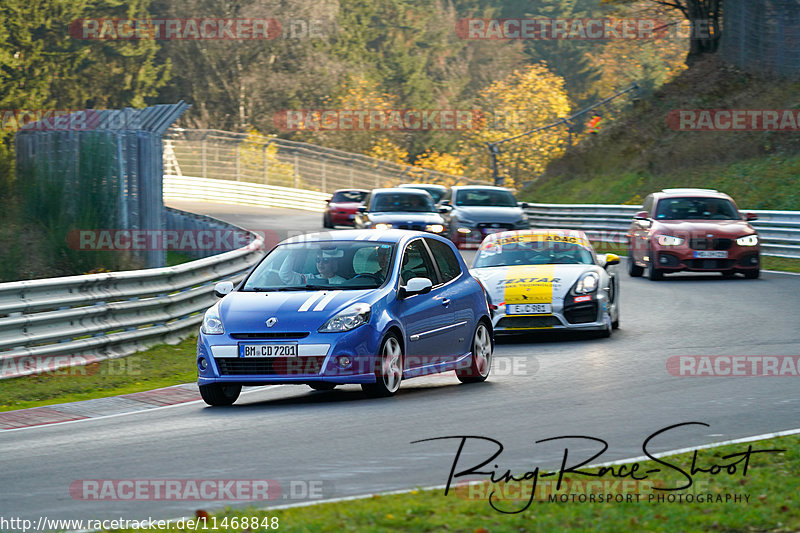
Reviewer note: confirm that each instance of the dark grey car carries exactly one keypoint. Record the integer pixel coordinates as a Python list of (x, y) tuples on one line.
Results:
[(473, 211)]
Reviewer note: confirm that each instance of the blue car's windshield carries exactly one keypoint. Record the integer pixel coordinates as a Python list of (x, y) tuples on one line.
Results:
[(536, 252), (317, 265)]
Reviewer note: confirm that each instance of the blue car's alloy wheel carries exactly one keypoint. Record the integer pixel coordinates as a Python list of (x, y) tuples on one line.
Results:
[(481, 361), (388, 371)]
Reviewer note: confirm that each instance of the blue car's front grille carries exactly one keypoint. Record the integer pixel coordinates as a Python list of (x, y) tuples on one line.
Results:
[(268, 366), (272, 335), (416, 227)]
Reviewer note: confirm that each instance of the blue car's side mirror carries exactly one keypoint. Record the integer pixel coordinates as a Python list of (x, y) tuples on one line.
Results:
[(415, 286)]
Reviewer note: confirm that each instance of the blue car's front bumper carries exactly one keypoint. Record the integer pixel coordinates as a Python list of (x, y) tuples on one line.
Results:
[(318, 359)]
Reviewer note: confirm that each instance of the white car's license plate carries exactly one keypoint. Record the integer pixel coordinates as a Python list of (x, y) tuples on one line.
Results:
[(268, 350), (711, 254), (528, 309)]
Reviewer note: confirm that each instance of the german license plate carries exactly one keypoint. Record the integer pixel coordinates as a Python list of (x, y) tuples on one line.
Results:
[(528, 309), (711, 254), (268, 350)]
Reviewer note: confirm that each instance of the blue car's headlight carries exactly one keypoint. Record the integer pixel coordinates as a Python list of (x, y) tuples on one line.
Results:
[(347, 319), (212, 323), (587, 283)]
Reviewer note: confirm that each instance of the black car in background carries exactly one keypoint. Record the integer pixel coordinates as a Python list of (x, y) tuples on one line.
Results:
[(471, 212), (436, 191)]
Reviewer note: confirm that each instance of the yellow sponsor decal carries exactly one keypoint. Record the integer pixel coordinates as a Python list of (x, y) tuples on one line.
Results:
[(536, 237), (526, 285)]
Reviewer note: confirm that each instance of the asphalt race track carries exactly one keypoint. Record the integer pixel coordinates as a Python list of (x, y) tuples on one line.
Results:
[(543, 385)]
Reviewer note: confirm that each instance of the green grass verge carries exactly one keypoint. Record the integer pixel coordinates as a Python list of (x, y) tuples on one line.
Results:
[(160, 366), (772, 483), (769, 182), (177, 258)]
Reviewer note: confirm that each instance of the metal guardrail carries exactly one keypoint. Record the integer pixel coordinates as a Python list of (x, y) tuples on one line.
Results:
[(242, 193), (779, 230), (48, 324)]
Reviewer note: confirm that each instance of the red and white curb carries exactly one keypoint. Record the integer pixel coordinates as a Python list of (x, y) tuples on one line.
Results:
[(100, 407)]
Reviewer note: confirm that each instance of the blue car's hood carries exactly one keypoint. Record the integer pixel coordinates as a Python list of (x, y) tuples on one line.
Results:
[(247, 312), (400, 217), (480, 213)]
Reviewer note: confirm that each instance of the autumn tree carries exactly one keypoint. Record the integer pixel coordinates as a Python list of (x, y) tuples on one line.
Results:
[(449, 164), (527, 99), (356, 93)]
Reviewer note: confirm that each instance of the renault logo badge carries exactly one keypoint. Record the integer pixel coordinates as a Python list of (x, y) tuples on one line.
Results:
[(271, 322)]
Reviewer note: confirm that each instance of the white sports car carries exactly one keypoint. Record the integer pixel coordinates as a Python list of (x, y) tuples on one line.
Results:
[(547, 279)]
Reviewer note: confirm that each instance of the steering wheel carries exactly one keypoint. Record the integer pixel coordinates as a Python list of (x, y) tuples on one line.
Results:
[(370, 275)]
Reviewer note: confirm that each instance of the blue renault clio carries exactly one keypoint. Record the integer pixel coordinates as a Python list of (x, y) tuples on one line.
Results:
[(358, 306)]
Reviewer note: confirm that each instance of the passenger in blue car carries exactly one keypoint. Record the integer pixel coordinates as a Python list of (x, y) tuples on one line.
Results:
[(327, 263)]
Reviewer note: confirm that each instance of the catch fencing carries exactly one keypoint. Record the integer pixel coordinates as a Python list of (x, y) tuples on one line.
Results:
[(279, 162), (762, 36), (105, 172)]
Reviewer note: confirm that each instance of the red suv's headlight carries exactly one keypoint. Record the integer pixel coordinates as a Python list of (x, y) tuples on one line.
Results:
[(669, 240)]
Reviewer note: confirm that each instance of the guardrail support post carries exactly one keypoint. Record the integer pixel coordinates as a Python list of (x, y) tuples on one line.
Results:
[(203, 151), (266, 173), (296, 168)]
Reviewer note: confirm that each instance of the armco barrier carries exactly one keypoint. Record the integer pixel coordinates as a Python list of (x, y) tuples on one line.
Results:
[(779, 230), (242, 193), (57, 322)]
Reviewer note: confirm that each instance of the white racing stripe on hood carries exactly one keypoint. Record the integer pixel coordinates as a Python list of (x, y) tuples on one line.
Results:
[(310, 301), (326, 300)]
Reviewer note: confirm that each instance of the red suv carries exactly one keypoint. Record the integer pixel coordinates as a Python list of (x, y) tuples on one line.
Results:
[(697, 230)]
